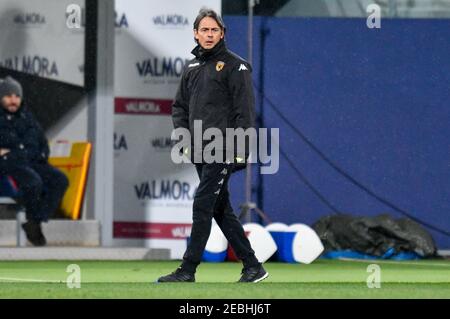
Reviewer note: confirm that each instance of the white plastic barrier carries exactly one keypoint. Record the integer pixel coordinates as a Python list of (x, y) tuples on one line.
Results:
[(306, 244), (216, 247), (261, 241)]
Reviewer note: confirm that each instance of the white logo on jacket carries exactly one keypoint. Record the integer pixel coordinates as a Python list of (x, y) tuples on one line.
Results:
[(242, 67)]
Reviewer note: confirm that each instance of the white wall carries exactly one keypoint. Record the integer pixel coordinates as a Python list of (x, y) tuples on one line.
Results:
[(73, 126)]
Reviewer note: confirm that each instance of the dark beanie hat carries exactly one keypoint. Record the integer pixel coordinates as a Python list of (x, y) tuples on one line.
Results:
[(10, 86)]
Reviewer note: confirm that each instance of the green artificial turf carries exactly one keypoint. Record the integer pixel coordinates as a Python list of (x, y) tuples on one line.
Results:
[(135, 279)]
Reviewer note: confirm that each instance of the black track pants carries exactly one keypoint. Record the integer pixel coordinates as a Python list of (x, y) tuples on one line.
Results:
[(212, 200)]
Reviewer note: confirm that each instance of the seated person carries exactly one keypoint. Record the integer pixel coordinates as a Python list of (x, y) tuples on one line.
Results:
[(24, 155)]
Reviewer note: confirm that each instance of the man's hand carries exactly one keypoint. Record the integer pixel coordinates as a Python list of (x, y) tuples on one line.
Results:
[(4, 151)]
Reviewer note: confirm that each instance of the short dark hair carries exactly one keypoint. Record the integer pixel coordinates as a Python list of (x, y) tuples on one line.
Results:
[(206, 12)]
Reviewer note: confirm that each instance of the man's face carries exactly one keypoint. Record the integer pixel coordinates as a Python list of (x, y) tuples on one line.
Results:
[(11, 103), (208, 33)]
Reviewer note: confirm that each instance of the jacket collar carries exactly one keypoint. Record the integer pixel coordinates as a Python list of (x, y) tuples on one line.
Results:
[(205, 54)]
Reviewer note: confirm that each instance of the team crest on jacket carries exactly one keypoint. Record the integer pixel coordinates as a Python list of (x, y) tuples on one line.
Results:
[(219, 66)]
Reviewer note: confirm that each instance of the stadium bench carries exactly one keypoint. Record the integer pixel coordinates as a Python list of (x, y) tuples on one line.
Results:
[(74, 165), (8, 191)]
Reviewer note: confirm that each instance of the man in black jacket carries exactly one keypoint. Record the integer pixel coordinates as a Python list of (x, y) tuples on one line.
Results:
[(216, 89), (24, 155)]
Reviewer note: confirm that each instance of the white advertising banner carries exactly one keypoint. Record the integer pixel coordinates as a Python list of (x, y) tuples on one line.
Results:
[(35, 39), (152, 195)]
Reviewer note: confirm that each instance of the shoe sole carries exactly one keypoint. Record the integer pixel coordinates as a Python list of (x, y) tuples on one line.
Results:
[(174, 282), (262, 278), (164, 282)]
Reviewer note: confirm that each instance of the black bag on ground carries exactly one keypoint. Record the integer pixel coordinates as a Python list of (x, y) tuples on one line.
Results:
[(374, 235)]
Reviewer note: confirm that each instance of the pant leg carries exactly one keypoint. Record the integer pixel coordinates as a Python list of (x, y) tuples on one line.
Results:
[(30, 186), (55, 184), (233, 230), (212, 179)]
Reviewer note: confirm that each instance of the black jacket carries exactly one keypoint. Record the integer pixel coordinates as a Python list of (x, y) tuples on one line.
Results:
[(216, 87), (23, 136)]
